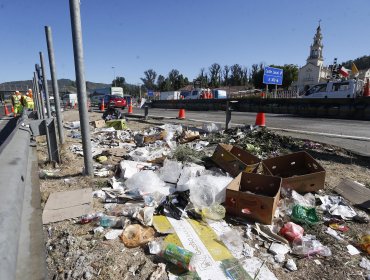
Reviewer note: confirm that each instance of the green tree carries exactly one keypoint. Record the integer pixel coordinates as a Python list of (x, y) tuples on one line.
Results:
[(236, 75), (290, 74), (256, 75), (161, 83), (149, 79), (215, 74), (119, 82), (226, 73)]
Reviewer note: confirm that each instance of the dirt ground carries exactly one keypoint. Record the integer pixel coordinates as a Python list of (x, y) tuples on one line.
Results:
[(75, 252)]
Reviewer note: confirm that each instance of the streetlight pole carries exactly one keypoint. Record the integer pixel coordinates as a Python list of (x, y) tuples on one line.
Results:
[(114, 75)]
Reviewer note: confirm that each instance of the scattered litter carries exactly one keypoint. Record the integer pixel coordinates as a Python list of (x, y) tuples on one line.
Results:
[(292, 231), (266, 232), (147, 182), (98, 229), (248, 251), (234, 242), (136, 235), (214, 212), (342, 228), (129, 168), (333, 233), (308, 245), (279, 249), (336, 206), (308, 200), (257, 270), (101, 172), (171, 170), (211, 127), (72, 125), (279, 258), (304, 215), (317, 262), (365, 243), (365, 263), (65, 205), (101, 159), (113, 234), (159, 272), (290, 265), (352, 250)]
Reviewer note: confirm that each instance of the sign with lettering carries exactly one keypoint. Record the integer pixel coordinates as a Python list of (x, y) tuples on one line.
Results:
[(272, 76)]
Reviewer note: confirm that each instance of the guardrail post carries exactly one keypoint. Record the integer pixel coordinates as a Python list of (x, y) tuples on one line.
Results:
[(146, 112), (39, 95), (229, 109), (74, 6), (54, 80), (36, 97), (45, 84)]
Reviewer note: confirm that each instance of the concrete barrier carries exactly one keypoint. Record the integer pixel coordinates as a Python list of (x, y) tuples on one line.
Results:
[(330, 108)]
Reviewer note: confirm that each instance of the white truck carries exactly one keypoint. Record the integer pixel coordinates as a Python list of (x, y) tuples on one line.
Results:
[(70, 99), (116, 91), (170, 95), (336, 89)]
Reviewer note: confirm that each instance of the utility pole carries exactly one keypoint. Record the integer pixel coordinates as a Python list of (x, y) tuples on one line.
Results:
[(45, 85), (74, 6), (114, 75)]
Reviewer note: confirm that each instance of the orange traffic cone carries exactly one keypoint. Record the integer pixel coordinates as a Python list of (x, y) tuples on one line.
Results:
[(130, 109), (102, 109), (181, 114), (75, 107), (260, 119), (6, 112), (12, 108)]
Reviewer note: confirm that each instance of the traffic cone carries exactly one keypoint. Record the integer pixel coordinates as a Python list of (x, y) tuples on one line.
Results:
[(6, 112), (260, 119), (181, 114), (130, 109), (102, 109), (75, 107), (12, 108)]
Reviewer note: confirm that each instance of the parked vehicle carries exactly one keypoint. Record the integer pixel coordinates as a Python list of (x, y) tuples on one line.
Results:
[(170, 95), (219, 94), (70, 99), (114, 101), (336, 89), (116, 91)]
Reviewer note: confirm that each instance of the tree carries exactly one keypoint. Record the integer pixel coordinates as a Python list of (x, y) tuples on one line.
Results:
[(215, 73), (149, 79), (226, 73), (202, 78), (161, 83), (236, 75), (119, 82), (176, 80), (256, 75)]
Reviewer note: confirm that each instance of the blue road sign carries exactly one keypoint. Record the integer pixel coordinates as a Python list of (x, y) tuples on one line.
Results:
[(150, 93), (273, 76)]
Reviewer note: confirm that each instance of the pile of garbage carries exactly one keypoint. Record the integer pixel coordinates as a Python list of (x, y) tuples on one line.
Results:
[(172, 192)]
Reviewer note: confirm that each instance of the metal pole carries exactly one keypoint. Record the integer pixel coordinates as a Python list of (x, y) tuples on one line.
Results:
[(54, 80), (140, 92), (45, 84), (228, 115), (41, 103), (74, 6), (36, 98)]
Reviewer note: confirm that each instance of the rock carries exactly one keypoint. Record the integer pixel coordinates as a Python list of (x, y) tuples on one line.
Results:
[(290, 265)]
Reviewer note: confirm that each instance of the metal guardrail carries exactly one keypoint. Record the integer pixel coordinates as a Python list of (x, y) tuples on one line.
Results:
[(13, 171)]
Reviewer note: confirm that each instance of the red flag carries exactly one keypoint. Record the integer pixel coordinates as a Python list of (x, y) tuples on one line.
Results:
[(343, 71)]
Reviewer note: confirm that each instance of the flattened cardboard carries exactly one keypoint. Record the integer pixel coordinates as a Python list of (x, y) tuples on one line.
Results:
[(355, 192), (299, 171), (235, 160), (65, 205), (255, 193)]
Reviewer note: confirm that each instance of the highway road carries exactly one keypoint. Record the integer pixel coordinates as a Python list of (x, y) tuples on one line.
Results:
[(7, 123), (353, 135)]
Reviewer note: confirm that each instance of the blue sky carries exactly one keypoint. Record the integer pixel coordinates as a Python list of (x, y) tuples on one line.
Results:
[(134, 36)]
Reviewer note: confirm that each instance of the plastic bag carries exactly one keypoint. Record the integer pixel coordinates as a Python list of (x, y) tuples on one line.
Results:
[(308, 246), (292, 231), (304, 215), (214, 212), (146, 182), (171, 170)]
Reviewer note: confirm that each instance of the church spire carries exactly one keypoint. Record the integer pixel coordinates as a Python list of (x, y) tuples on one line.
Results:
[(315, 56)]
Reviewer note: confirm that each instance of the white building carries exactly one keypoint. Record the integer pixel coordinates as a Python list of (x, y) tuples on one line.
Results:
[(314, 71)]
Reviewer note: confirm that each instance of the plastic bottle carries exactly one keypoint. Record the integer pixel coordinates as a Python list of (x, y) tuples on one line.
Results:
[(90, 218), (111, 222), (174, 254)]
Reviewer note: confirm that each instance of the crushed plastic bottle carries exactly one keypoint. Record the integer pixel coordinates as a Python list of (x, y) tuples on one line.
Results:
[(174, 254), (111, 222)]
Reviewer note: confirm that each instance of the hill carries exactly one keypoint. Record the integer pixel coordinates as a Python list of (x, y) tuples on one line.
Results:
[(64, 85), (362, 63)]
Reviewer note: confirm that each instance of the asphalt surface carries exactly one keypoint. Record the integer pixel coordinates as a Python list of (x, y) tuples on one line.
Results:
[(353, 135)]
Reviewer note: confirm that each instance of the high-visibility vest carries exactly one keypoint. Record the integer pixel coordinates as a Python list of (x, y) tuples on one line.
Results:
[(29, 99), (17, 99)]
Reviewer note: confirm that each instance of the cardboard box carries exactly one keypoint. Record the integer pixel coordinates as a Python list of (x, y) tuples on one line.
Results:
[(235, 160), (98, 123), (253, 196), (299, 171)]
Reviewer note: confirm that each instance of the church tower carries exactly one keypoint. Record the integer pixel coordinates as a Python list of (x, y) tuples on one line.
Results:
[(315, 56)]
